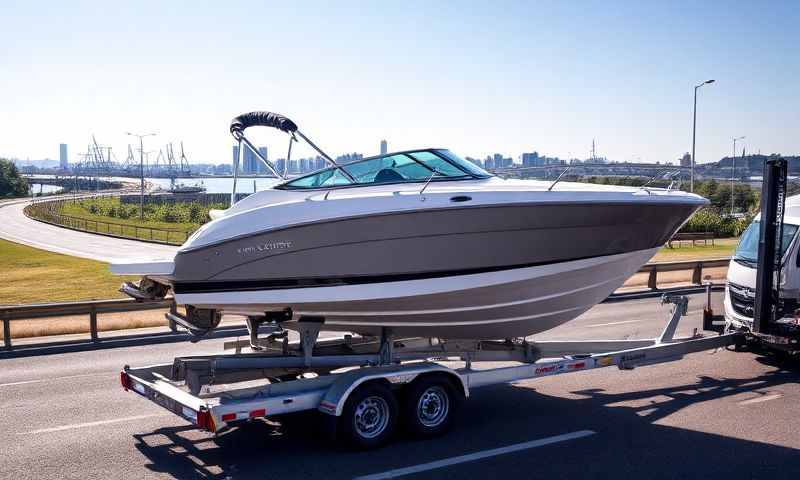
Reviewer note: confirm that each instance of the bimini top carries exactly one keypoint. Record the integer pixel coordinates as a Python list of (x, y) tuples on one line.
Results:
[(411, 166)]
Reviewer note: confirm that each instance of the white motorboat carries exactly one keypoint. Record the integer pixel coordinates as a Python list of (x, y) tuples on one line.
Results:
[(420, 242)]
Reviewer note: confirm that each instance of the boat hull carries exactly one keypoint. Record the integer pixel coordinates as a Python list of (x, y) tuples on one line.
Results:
[(508, 303), (425, 243)]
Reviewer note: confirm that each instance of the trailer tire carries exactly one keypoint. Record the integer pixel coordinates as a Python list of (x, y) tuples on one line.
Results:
[(430, 405), (369, 417)]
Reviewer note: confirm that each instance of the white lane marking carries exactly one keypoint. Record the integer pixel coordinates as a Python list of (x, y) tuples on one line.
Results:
[(92, 424), (764, 398), (476, 456), (595, 325), (26, 382)]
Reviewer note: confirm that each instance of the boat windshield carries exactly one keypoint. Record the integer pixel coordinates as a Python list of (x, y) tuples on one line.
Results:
[(747, 251), (413, 166)]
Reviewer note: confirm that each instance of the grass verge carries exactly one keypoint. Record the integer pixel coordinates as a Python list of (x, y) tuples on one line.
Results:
[(723, 247), (31, 275)]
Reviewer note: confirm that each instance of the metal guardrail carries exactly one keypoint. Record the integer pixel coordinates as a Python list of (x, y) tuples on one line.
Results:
[(48, 211), (695, 265), (692, 237), (91, 308)]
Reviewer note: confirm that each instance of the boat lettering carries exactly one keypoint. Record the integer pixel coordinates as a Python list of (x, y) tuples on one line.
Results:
[(265, 247), (547, 369)]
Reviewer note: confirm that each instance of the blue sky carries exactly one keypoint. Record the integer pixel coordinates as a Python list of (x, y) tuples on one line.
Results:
[(477, 77)]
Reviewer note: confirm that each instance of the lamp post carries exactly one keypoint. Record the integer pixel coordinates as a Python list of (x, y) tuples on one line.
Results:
[(141, 169), (733, 167), (694, 131)]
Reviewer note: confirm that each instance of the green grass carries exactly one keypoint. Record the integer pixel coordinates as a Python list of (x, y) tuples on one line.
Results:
[(31, 275), (723, 247)]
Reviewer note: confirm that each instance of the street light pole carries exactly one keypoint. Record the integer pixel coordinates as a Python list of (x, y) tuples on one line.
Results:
[(733, 167), (694, 131), (141, 170)]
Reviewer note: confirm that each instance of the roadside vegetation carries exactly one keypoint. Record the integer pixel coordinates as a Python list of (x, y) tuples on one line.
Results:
[(185, 217), (12, 184)]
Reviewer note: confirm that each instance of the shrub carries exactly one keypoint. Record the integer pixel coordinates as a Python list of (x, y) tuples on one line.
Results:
[(709, 220), (12, 184)]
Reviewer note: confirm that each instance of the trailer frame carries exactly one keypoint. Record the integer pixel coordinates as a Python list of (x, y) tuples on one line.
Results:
[(314, 375)]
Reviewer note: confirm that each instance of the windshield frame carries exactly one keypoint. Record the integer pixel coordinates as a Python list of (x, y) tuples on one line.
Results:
[(467, 173), (751, 262)]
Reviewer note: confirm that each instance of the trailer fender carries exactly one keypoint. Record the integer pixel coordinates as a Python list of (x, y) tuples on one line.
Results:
[(333, 401)]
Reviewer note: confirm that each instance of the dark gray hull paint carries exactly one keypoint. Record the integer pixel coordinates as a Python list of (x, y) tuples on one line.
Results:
[(425, 242)]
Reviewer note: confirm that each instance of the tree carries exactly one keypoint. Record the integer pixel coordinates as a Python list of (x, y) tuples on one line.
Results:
[(12, 184)]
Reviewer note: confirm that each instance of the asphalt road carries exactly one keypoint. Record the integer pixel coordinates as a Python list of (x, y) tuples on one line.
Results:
[(16, 227), (717, 414)]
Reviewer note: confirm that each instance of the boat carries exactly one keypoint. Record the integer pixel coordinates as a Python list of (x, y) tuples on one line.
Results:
[(181, 188), (416, 243)]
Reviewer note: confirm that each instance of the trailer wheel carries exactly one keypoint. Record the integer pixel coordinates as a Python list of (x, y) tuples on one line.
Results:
[(429, 406), (369, 418)]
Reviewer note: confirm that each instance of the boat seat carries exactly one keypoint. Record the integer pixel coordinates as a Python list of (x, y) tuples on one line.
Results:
[(387, 175)]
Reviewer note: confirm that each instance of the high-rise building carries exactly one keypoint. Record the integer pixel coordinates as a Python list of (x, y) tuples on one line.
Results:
[(63, 161), (348, 158), (384, 147), (251, 164), (532, 160)]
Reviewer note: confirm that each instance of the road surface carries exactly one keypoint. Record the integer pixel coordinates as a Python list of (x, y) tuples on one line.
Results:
[(16, 227), (713, 414)]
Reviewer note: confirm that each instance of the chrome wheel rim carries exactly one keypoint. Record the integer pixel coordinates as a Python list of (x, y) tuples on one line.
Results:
[(371, 417), (433, 406)]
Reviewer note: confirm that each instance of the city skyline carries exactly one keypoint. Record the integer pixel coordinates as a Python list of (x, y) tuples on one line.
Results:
[(551, 88)]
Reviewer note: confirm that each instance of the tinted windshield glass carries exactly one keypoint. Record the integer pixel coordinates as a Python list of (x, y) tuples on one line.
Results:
[(747, 250), (401, 167), (325, 178), (465, 164)]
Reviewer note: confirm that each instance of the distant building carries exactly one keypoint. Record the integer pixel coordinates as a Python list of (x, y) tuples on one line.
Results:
[(223, 169), (532, 160), (501, 162), (280, 165), (384, 147), (348, 158), (63, 161), (686, 160), (251, 165)]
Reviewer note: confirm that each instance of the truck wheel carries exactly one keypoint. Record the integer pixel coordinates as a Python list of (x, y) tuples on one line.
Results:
[(369, 418), (429, 406)]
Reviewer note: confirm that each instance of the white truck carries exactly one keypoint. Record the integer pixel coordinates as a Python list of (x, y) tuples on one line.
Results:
[(740, 288)]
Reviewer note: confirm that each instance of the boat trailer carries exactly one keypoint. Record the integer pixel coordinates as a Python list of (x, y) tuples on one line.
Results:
[(363, 387)]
